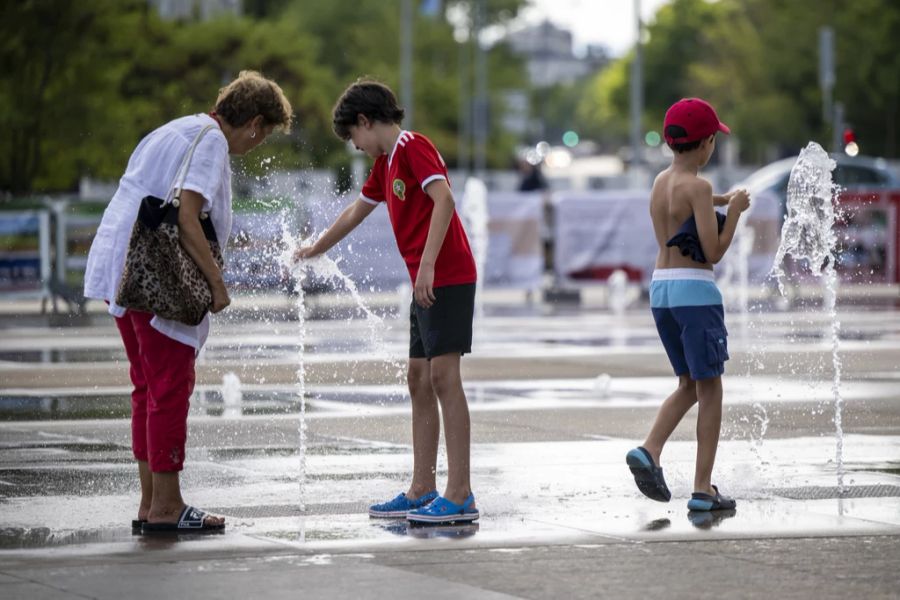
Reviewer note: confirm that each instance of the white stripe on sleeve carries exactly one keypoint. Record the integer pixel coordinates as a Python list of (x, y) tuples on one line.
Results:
[(432, 178)]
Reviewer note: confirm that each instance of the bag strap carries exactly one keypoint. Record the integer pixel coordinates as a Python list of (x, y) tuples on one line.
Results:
[(183, 169)]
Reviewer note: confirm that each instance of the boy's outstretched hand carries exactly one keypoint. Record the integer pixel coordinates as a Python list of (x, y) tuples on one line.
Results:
[(305, 252), (739, 200), (424, 290)]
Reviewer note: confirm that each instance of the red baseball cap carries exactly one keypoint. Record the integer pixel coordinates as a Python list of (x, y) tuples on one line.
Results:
[(696, 117)]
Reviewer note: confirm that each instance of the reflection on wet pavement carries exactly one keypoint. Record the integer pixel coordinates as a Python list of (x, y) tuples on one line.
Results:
[(86, 493), (709, 519)]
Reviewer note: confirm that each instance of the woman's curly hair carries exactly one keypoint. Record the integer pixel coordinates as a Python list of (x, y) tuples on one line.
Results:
[(252, 94)]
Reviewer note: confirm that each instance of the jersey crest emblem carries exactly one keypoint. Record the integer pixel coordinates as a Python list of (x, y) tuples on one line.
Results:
[(399, 188)]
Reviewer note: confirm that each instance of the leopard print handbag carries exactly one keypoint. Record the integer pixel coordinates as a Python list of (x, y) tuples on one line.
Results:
[(160, 277)]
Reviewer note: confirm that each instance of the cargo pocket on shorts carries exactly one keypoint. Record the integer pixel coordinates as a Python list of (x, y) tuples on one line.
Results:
[(716, 345)]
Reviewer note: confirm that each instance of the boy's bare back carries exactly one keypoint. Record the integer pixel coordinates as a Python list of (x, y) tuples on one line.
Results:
[(676, 196)]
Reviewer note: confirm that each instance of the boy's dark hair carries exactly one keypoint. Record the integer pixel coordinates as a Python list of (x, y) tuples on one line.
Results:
[(677, 131), (365, 97)]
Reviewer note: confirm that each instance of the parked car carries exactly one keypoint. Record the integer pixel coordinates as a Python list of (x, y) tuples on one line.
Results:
[(768, 192), (851, 173)]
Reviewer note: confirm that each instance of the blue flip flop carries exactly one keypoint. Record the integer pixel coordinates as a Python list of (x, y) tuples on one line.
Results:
[(400, 505), (701, 501), (444, 511), (647, 475)]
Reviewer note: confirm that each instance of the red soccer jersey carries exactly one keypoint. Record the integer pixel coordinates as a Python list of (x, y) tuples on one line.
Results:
[(400, 180)]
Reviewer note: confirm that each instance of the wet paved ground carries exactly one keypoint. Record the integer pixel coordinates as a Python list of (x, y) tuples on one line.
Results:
[(557, 397)]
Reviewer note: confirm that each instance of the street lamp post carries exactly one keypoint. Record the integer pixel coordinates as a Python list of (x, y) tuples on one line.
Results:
[(480, 121), (637, 92), (406, 66)]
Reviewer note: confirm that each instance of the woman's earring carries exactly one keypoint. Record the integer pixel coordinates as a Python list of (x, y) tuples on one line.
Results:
[(252, 134)]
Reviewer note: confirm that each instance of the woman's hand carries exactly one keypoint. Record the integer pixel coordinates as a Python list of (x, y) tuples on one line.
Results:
[(424, 289), (220, 298)]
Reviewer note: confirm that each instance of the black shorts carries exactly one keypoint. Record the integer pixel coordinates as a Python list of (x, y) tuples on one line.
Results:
[(445, 327)]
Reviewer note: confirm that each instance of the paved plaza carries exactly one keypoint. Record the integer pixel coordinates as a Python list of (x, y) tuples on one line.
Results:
[(558, 395)]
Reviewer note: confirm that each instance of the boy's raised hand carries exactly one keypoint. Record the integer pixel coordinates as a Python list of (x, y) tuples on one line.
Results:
[(739, 200), (424, 289)]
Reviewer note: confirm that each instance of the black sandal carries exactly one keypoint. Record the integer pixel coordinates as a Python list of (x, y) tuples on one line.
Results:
[(701, 501), (192, 520), (647, 475)]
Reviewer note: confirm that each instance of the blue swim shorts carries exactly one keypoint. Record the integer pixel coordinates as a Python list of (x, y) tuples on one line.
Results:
[(690, 319)]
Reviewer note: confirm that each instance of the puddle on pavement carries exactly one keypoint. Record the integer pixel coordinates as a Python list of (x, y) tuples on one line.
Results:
[(118, 406), (241, 352), (30, 408), (69, 447), (315, 449), (210, 402), (849, 335), (106, 478), (626, 339), (19, 538), (119, 479), (430, 532), (891, 468), (53, 355), (15, 538)]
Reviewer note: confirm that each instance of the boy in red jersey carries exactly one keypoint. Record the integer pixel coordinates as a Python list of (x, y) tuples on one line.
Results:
[(410, 178)]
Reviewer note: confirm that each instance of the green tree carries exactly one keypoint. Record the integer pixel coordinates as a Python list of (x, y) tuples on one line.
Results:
[(603, 109), (868, 75), (83, 81), (188, 62), (363, 39), (59, 81), (674, 41), (757, 61)]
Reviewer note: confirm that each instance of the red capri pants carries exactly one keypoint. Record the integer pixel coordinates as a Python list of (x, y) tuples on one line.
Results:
[(162, 372)]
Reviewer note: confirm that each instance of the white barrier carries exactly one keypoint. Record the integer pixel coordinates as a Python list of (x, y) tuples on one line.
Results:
[(370, 257), (515, 254), (598, 232), (25, 257)]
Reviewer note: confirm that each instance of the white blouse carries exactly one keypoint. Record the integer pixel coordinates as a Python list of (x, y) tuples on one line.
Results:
[(151, 171)]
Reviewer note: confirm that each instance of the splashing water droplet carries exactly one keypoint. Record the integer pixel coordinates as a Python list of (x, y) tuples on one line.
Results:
[(808, 236)]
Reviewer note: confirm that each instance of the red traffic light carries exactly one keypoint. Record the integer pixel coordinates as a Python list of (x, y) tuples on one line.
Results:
[(849, 136)]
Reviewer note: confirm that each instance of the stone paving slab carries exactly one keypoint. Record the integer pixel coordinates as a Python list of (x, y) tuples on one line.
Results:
[(791, 568)]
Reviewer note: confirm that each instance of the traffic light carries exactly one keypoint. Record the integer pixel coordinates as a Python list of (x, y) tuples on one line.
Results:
[(850, 145), (849, 136)]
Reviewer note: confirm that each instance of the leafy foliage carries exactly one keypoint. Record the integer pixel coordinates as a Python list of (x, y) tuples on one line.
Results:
[(757, 62), (82, 82)]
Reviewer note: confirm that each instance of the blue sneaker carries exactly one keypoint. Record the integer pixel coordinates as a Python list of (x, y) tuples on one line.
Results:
[(399, 506), (443, 511)]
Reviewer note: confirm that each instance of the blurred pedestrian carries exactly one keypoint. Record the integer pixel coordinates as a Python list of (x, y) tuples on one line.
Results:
[(530, 177)]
